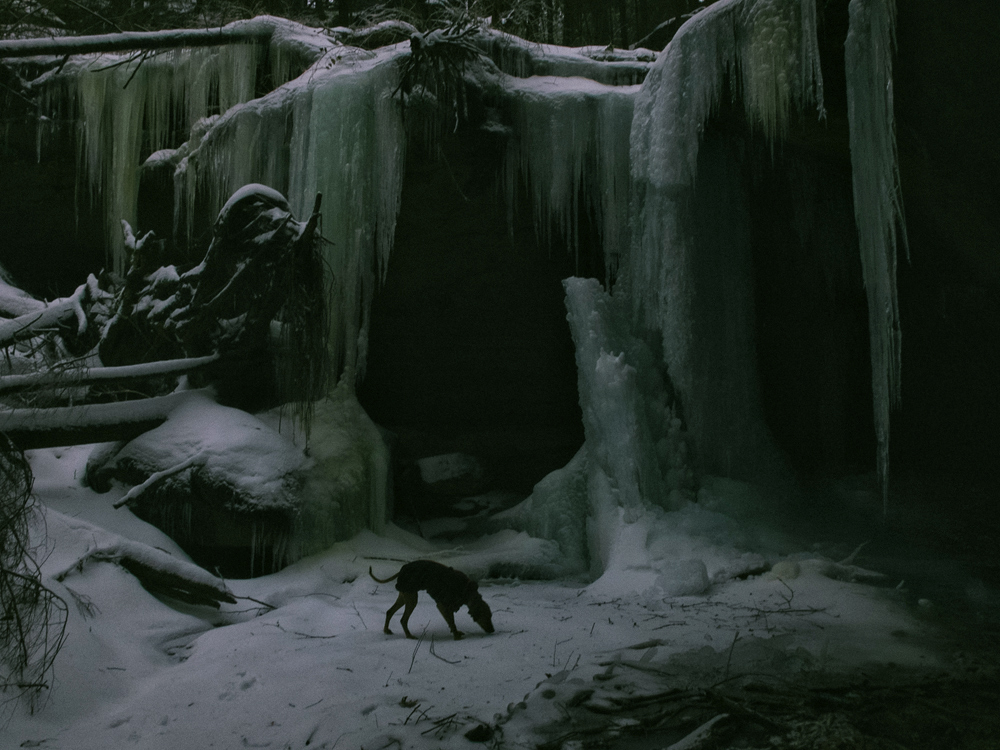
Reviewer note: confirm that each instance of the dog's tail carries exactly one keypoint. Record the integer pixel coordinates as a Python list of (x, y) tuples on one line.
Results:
[(381, 580)]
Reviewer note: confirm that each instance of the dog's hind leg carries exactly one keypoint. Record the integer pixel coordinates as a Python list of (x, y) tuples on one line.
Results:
[(409, 598), (449, 617), (400, 601)]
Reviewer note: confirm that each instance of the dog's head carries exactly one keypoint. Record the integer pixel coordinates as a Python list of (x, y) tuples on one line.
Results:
[(480, 612)]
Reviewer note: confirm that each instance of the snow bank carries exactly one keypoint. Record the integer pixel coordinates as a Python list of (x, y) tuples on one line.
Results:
[(232, 449)]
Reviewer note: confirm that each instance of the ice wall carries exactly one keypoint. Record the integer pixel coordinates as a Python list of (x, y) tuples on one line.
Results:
[(767, 51), (878, 206), (570, 149), (127, 105)]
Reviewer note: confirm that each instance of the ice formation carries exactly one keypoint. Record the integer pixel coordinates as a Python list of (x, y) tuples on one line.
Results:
[(570, 147), (767, 51), (878, 207), (629, 156), (128, 105), (347, 484), (321, 133)]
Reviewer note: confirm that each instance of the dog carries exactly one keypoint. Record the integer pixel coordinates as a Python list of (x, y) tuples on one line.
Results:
[(449, 588)]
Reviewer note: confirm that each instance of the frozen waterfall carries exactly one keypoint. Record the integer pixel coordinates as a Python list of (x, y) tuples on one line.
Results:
[(767, 52)]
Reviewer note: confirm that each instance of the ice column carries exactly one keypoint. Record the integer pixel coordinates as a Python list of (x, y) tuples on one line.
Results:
[(878, 205)]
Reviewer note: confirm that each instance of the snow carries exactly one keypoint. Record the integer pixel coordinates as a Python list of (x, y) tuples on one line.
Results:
[(233, 448), (317, 671), (523, 59)]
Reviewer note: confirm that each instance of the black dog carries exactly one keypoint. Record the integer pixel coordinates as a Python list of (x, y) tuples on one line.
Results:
[(449, 588)]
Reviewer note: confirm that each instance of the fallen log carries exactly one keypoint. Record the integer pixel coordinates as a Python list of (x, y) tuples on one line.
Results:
[(91, 423), (58, 312), (76, 377), (159, 573)]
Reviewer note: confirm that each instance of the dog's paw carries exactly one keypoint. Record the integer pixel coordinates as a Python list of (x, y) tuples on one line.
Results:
[(458, 636), (387, 631)]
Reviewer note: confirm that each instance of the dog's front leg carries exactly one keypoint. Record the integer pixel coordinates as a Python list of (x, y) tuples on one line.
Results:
[(449, 617)]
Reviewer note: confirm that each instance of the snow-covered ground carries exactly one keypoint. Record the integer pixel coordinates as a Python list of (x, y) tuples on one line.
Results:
[(315, 669)]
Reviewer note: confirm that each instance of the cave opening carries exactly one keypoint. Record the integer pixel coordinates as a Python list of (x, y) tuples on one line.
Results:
[(469, 351)]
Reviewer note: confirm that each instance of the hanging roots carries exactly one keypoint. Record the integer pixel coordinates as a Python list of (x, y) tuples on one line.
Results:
[(33, 620), (432, 79)]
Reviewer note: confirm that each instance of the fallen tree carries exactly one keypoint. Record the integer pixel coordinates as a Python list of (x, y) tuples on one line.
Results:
[(257, 297)]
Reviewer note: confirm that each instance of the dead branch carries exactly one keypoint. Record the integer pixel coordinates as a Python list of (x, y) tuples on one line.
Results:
[(133, 494)]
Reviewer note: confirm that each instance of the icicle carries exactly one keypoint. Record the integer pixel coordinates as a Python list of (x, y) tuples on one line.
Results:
[(878, 207), (346, 141), (766, 49), (127, 107), (571, 142), (351, 148)]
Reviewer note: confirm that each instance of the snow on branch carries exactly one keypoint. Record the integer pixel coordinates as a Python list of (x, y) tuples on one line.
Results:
[(159, 572), (32, 323), (74, 425), (133, 494)]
